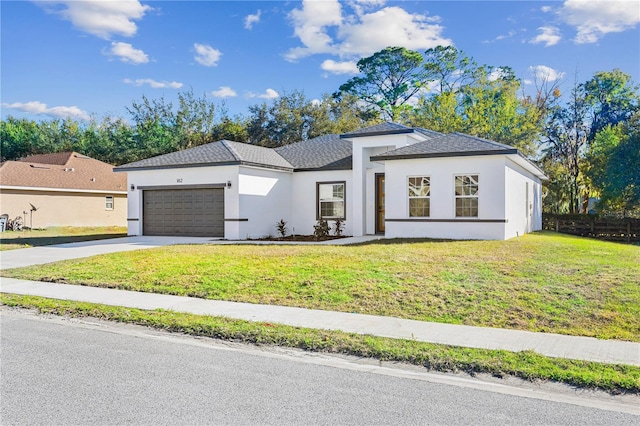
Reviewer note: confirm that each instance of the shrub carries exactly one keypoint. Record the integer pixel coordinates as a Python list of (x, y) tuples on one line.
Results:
[(281, 227), (321, 229), (338, 227)]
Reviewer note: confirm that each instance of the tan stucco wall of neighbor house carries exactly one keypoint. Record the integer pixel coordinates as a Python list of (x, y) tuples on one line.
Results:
[(60, 208)]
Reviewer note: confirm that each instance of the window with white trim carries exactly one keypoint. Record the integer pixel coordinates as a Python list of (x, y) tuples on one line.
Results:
[(108, 202), (419, 196), (466, 196), (331, 198)]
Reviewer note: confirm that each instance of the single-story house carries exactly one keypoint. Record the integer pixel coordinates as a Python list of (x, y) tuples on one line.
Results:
[(63, 189), (386, 179)]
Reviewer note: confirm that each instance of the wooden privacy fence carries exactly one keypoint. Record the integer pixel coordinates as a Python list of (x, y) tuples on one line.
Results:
[(604, 228)]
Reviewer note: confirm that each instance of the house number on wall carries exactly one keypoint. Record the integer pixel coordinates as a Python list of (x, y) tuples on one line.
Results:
[(179, 180)]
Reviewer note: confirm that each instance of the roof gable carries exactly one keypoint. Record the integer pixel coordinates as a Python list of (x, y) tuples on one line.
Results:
[(218, 153), (321, 153), (450, 145)]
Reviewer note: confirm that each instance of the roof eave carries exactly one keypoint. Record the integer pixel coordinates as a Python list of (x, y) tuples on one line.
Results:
[(443, 155), (185, 166), (378, 133)]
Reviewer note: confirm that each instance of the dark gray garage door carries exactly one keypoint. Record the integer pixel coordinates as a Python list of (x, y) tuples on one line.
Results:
[(186, 212)]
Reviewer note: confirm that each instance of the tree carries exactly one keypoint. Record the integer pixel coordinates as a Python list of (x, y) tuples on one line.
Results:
[(613, 160), (194, 120), (336, 116), (487, 106), (389, 79), (565, 138), (450, 68), (612, 97), (283, 122)]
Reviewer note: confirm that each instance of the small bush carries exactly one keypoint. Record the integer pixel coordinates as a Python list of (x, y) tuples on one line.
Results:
[(321, 229), (282, 229), (338, 227)]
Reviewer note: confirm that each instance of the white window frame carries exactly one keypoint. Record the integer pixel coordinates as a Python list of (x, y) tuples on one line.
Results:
[(418, 197), (320, 200), (475, 196), (109, 200)]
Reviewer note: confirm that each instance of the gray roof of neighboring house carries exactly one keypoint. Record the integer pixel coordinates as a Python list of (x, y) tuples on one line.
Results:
[(216, 153), (328, 152), (450, 145)]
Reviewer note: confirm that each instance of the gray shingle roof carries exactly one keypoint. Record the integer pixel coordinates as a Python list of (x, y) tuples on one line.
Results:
[(324, 152), (257, 155), (451, 145), (216, 153), (386, 128)]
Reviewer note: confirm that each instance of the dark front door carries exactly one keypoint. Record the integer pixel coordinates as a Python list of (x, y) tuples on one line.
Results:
[(380, 203)]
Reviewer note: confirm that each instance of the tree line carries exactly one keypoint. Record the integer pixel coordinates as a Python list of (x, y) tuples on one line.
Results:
[(587, 141)]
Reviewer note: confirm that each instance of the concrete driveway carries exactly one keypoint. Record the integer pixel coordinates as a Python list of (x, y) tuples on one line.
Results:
[(48, 254)]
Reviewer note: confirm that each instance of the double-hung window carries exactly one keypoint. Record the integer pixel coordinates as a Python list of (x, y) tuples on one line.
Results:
[(331, 200), (108, 203), (466, 196), (419, 196)]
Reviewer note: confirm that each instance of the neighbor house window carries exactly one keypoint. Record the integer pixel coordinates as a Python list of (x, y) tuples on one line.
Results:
[(419, 196), (467, 196), (330, 196), (108, 203)]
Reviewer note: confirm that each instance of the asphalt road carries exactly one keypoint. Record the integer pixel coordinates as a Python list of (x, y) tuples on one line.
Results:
[(57, 372)]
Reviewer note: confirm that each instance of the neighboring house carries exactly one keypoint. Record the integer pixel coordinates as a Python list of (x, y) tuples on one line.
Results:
[(67, 188), (386, 179)]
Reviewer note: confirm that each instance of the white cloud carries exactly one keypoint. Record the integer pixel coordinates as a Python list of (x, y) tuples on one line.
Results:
[(527, 82), (268, 94), (593, 19), (545, 73), (38, 108), (323, 27), (347, 67), (206, 55), (310, 26), (224, 92), (154, 84), (546, 9), (249, 20), (127, 53), (100, 18), (548, 35)]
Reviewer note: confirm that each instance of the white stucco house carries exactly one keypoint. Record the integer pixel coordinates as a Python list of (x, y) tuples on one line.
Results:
[(386, 179)]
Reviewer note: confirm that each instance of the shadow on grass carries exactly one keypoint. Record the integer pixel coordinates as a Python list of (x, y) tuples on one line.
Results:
[(48, 241)]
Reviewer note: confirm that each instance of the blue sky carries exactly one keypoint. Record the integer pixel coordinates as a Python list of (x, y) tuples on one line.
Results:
[(92, 58)]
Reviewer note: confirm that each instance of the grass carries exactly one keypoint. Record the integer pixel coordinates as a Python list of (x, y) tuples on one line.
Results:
[(543, 282), (12, 240), (526, 365)]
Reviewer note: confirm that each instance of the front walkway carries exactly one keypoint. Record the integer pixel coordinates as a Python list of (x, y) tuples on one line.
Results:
[(554, 345)]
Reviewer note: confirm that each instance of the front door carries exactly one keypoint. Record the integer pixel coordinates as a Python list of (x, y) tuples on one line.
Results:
[(380, 203)]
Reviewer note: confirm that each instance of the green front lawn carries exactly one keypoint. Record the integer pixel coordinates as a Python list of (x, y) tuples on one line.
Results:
[(12, 240), (540, 282)]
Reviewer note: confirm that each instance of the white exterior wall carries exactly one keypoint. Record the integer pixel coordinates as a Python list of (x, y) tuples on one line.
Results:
[(185, 177), (304, 202), (442, 171), (265, 198), (523, 200), (364, 176)]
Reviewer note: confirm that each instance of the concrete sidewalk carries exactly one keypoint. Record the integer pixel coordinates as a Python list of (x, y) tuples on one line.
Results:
[(554, 345)]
